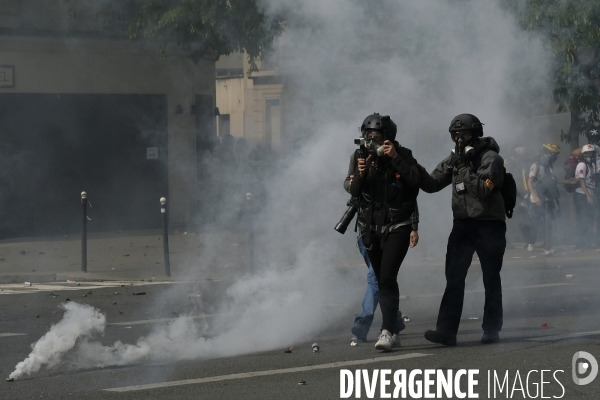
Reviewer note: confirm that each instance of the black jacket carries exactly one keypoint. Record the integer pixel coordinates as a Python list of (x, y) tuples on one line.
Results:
[(390, 187), (479, 202)]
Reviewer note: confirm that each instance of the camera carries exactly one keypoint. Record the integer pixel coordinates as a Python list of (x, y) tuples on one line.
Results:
[(348, 216)]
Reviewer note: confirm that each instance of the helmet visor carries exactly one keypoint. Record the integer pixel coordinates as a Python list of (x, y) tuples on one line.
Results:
[(465, 135), (373, 135)]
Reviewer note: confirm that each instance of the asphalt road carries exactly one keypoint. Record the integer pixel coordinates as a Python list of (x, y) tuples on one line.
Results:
[(538, 303)]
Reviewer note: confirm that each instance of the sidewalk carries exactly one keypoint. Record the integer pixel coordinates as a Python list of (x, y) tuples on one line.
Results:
[(120, 256), (139, 256)]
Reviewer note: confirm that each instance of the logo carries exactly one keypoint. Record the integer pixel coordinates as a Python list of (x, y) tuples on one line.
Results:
[(584, 363)]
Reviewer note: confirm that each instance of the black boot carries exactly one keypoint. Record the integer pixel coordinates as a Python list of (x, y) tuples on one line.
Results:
[(490, 337), (447, 339)]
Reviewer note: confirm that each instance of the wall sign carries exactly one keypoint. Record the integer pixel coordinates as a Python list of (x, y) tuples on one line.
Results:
[(151, 153), (7, 76)]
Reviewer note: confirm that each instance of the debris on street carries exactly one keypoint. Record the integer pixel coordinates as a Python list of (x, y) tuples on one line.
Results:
[(315, 347), (288, 350)]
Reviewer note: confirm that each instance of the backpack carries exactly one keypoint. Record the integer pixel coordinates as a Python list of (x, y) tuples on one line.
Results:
[(508, 189), (570, 166), (509, 193)]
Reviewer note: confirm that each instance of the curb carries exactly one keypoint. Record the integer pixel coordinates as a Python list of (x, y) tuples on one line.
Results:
[(20, 278)]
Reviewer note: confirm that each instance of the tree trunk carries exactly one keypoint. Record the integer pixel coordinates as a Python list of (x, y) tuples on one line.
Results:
[(574, 131)]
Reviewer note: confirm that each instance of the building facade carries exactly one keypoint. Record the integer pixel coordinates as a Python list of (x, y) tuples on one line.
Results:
[(250, 104), (84, 110)]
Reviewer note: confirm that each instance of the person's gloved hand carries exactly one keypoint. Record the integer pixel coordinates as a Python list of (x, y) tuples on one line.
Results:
[(457, 162)]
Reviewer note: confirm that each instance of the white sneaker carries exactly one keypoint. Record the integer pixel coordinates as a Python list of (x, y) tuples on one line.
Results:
[(530, 247), (385, 342), (396, 341)]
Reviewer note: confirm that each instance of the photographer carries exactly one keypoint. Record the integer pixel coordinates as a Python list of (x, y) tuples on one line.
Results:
[(474, 169), (386, 186)]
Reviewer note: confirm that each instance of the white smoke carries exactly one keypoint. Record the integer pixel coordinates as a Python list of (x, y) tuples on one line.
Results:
[(80, 321), (273, 309)]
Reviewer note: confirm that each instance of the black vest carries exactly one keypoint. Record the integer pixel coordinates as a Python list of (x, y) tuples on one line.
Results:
[(386, 198)]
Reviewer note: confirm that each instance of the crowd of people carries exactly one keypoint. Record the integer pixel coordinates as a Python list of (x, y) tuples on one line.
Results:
[(541, 184)]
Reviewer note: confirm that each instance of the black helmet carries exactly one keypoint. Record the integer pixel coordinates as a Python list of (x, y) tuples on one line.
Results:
[(463, 122), (381, 123)]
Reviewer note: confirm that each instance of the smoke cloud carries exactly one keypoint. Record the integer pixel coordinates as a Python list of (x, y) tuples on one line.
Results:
[(79, 321), (258, 313)]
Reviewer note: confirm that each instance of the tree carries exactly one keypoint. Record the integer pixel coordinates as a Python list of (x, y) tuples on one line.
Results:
[(200, 27), (571, 29)]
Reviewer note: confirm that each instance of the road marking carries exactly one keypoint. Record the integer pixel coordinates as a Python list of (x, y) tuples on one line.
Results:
[(19, 288), (12, 334), (567, 336), (504, 289), (265, 373), (153, 321)]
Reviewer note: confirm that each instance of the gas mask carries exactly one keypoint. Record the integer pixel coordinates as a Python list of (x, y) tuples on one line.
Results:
[(463, 147), (548, 159), (590, 158), (373, 147)]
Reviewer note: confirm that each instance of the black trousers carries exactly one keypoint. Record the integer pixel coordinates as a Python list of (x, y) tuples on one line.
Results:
[(488, 239), (386, 263)]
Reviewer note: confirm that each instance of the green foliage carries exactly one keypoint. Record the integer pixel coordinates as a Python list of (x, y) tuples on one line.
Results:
[(571, 29), (200, 27)]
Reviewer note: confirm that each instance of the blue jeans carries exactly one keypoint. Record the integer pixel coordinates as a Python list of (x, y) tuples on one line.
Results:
[(371, 297)]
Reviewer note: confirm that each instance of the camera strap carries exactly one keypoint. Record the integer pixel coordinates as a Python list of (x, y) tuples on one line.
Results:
[(368, 213)]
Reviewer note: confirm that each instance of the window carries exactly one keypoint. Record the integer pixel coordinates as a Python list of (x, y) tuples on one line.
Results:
[(224, 125), (272, 121)]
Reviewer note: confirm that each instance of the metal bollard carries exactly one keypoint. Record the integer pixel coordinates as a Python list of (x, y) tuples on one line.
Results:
[(165, 225), (84, 202), (250, 232)]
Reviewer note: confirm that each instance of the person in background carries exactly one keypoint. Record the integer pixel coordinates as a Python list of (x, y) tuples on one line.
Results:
[(519, 166), (594, 139), (584, 196), (543, 187)]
